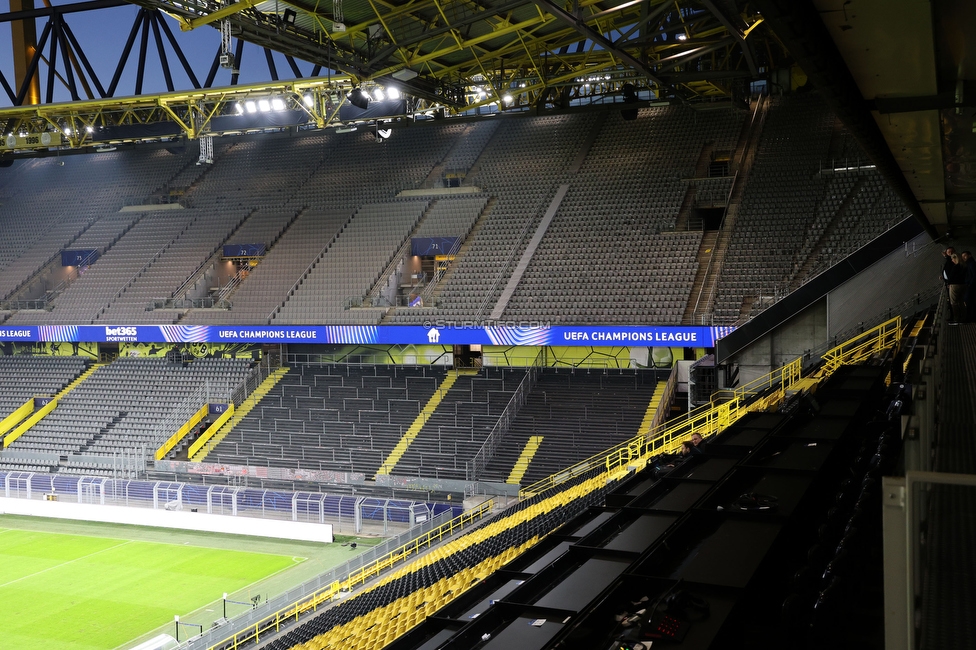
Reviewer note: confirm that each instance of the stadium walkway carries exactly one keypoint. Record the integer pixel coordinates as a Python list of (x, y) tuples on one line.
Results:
[(949, 597)]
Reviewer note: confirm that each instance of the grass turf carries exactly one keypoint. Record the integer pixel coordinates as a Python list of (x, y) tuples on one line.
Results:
[(74, 592)]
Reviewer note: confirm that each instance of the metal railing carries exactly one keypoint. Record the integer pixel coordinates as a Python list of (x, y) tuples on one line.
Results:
[(667, 398), (699, 315), (476, 466), (291, 608), (726, 407), (860, 347), (905, 500), (356, 357), (269, 363), (13, 305), (188, 303), (179, 415)]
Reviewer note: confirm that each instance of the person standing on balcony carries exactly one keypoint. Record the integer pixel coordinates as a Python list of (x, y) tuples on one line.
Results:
[(956, 279)]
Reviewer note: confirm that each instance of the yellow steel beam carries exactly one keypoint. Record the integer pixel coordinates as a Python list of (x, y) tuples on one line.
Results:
[(187, 24), (74, 124)]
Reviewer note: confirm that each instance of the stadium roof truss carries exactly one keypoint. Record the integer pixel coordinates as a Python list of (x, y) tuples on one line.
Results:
[(902, 77), (458, 55)]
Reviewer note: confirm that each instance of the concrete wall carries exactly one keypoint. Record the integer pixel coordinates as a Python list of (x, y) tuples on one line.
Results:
[(805, 331), (181, 520), (891, 281)]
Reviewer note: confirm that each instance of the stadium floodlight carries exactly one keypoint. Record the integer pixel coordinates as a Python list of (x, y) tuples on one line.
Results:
[(251, 106), (378, 94), (308, 100), (508, 99), (278, 104), (90, 129), (393, 93), (358, 98), (264, 105), (240, 108)]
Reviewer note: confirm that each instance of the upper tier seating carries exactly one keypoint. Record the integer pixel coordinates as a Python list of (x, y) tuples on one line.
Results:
[(48, 203), (608, 255), (787, 194), (348, 270)]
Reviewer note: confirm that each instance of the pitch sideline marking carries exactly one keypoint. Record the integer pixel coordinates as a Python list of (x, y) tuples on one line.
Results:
[(62, 564)]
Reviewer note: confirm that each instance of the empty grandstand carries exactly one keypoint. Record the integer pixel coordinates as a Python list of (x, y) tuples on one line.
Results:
[(508, 325)]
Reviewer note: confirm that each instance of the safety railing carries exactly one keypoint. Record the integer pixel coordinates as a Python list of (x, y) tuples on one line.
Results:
[(726, 407), (863, 346), (272, 623), (476, 466), (667, 399), (269, 363), (907, 553)]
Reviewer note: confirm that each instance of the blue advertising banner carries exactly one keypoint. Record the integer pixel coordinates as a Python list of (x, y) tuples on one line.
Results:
[(437, 332)]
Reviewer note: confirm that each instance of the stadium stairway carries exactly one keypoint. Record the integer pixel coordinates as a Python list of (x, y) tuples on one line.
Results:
[(263, 388), (652, 409), (38, 415), (411, 433), (522, 464)]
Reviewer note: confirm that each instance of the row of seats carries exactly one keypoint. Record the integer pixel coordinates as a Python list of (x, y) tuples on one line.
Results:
[(381, 613)]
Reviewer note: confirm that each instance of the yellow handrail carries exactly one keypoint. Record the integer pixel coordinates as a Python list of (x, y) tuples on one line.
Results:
[(726, 407), (273, 622)]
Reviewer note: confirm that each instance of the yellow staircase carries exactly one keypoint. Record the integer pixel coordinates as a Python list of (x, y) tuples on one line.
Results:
[(652, 406), (47, 408), (263, 389), (522, 464), (411, 433)]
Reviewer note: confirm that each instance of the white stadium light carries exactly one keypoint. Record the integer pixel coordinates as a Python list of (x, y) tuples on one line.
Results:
[(264, 105), (278, 104), (378, 94), (393, 93), (251, 106)]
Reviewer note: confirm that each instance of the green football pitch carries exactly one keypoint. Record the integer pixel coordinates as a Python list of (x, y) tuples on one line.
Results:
[(96, 587)]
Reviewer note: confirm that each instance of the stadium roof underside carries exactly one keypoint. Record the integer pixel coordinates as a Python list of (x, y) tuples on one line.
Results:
[(456, 54), (902, 76), (440, 50)]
